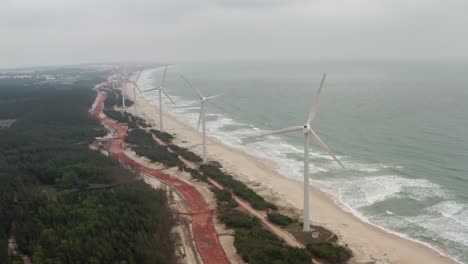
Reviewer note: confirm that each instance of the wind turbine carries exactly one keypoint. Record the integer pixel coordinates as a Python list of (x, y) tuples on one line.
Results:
[(135, 88), (122, 90), (201, 117), (116, 78), (122, 84), (161, 90), (308, 132)]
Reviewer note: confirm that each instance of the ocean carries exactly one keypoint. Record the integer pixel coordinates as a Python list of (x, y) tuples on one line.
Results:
[(399, 127)]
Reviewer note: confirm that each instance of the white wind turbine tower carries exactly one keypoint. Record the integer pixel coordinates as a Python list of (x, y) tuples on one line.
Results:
[(122, 90), (160, 88), (116, 80), (308, 132), (135, 88), (201, 117), (122, 84)]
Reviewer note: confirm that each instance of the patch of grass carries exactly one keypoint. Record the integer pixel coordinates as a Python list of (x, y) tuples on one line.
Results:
[(257, 245), (237, 219), (279, 219), (333, 254), (144, 145), (114, 98), (237, 187), (115, 115), (164, 136), (139, 137), (224, 197), (195, 174), (186, 154)]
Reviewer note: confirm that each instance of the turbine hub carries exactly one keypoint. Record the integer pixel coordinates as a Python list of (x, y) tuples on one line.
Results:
[(306, 128)]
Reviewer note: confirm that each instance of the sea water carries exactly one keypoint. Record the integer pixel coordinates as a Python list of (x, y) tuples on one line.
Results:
[(400, 128)]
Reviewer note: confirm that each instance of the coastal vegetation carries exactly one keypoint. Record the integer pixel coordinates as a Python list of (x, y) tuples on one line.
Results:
[(237, 187), (115, 98), (185, 153), (164, 136), (279, 219), (144, 145), (224, 198), (331, 253), (253, 242), (124, 223), (70, 204), (124, 117)]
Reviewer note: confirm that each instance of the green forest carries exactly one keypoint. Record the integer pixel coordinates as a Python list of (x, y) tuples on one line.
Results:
[(67, 203)]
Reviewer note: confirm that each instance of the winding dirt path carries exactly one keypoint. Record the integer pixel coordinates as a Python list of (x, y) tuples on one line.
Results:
[(204, 233)]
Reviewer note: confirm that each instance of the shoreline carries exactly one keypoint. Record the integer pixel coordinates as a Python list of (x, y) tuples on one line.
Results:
[(369, 242)]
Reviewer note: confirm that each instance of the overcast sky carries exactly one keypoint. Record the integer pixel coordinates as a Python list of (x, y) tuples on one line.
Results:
[(54, 32)]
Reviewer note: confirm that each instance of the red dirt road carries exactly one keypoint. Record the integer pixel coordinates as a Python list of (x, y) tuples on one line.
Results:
[(204, 233)]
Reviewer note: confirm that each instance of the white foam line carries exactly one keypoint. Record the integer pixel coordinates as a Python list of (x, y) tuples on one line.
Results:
[(398, 234)]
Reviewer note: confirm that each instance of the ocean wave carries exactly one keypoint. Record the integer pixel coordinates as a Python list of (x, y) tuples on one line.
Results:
[(354, 191)]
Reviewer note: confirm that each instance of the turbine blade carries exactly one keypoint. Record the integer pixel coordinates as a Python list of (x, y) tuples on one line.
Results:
[(323, 145), (213, 97), (164, 76), (138, 76), (281, 131), (167, 95), (316, 102), (199, 120), (137, 87), (190, 85), (149, 90), (189, 106)]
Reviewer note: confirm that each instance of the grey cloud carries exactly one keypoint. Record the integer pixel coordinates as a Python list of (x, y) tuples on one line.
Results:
[(256, 3), (67, 31)]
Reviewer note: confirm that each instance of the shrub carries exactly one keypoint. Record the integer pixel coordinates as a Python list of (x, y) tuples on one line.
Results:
[(195, 174), (139, 137), (237, 187), (110, 100), (258, 246), (333, 254), (115, 98), (164, 136), (224, 197), (159, 154), (280, 219), (124, 117), (116, 115), (186, 154), (146, 146), (253, 242), (237, 219)]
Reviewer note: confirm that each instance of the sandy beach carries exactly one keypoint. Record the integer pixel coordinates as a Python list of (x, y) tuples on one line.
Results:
[(369, 243)]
